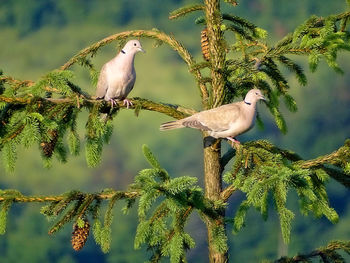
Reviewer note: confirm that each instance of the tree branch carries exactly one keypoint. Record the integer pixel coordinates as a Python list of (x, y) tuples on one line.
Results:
[(14, 195), (56, 198), (325, 253), (175, 111), (338, 175), (15, 82), (227, 192), (336, 158), (14, 100)]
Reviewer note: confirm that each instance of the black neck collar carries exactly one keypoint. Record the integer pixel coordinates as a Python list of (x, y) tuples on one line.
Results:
[(248, 103), (123, 51)]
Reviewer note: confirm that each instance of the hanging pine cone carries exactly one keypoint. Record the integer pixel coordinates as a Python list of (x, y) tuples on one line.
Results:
[(49, 146), (205, 44), (80, 235)]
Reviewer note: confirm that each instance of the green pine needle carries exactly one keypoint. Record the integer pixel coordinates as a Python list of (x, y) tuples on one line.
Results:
[(74, 143), (180, 184), (176, 248), (142, 233), (290, 103), (93, 151), (281, 123), (219, 238), (150, 157), (286, 216), (5, 207), (105, 239), (9, 155), (240, 216), (347, 168), (97, 230), (146, 201)]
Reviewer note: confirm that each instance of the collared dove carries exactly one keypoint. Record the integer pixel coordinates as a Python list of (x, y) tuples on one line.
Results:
[(117, 76), (226, 121)]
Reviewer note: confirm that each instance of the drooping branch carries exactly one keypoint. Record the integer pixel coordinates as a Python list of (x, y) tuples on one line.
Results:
[(289, 44), (153, 34), (338, 158), (325, 254)]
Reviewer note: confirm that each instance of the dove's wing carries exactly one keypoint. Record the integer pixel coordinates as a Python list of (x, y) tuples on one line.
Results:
[(217, 120), (102, 84), (129, 85)]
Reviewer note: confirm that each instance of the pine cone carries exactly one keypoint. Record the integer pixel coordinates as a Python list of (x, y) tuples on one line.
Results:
[(49, 146), (80, 235), (205, 44)]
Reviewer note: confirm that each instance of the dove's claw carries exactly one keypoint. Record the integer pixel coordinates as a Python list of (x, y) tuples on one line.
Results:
[(113, 103), (233, 140), (235, 143), (127, 103)]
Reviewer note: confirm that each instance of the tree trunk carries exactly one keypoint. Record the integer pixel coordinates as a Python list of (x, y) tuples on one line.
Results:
[(212, 154), (213, 188)]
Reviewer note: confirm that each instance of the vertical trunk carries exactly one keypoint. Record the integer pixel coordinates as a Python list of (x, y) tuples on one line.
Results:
[(213, 187), (212, 154), (216, 49)]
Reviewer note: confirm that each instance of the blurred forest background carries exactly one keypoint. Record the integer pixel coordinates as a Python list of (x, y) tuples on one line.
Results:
[(39, 36)]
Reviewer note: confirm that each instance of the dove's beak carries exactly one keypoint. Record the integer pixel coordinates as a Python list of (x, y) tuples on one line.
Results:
[(142, 50), (262, 97)]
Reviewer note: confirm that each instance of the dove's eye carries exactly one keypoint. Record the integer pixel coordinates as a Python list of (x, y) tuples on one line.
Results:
[(135, 44)]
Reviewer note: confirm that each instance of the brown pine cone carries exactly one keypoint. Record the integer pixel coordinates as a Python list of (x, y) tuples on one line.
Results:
[(48, 147), (80, 235), (205, 44)]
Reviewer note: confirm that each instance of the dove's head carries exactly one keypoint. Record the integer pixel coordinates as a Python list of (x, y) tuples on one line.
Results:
[(253, 96), (132, 47)]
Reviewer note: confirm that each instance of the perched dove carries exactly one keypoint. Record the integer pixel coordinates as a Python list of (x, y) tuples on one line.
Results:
[(117, 76), (226, 121)]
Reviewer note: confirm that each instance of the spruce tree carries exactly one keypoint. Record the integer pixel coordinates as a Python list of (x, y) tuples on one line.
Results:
[(236, 58)]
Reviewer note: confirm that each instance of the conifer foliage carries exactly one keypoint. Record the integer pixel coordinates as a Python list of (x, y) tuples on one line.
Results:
[(45, 113)]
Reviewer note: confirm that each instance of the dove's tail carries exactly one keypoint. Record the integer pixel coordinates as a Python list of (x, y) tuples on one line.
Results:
[(171, 125)]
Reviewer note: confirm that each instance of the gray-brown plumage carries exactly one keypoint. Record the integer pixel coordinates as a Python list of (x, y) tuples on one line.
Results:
[(226, 121), (117, 76)]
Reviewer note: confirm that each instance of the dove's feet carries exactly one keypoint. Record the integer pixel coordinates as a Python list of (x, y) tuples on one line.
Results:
[(113, 103), (127, 103), (235, 143), (233, 140)]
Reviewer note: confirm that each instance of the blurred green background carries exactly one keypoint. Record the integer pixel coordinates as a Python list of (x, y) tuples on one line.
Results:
[(39, 36)]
